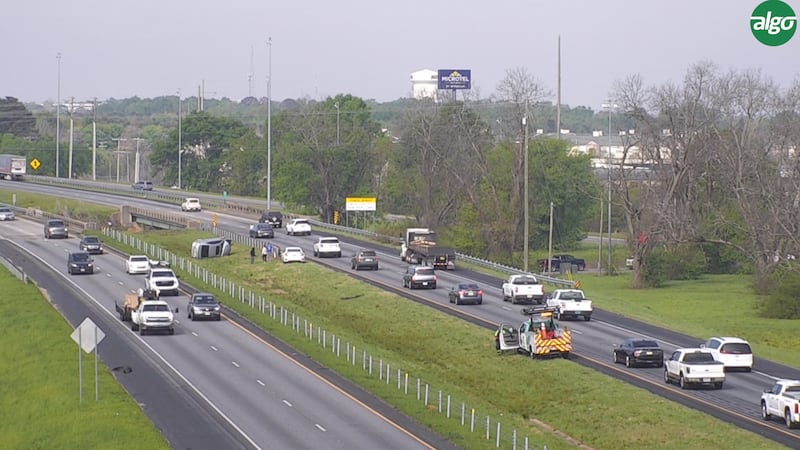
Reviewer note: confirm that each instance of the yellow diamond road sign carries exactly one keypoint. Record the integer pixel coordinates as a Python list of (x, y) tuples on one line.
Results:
[(35, 164)]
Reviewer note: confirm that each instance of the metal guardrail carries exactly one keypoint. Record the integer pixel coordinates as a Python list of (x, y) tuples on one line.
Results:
[(252, 207)]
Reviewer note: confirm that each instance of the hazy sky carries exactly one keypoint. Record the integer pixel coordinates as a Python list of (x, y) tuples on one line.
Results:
[(148, 48)]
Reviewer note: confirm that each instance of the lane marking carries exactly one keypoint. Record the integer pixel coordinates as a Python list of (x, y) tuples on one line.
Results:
[(321, 428), (286, 402), (214, 348), (261, 383), (234, 364)]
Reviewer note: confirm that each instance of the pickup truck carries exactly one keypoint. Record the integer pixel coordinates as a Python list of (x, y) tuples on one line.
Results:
[(523, 289), (694, 366), (557, 260), (130, 303), (570, 303), (152, 315), (327, 246), (162, 280), (782, 400)]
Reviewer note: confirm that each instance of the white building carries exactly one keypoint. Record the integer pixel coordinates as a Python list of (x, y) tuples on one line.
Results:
[(424, 84)]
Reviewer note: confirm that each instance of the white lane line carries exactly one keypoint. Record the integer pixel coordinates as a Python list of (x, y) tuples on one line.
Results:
[(321, 428), (234, 364), (214, 348), (507, 308), (286, 402), (260, 382), (194, 333)]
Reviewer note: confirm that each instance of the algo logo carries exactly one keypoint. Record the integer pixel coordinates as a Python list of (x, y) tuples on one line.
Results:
[(773, 23)]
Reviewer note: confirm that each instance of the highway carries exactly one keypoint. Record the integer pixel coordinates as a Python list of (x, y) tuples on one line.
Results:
[(736, 403), (256, 393)]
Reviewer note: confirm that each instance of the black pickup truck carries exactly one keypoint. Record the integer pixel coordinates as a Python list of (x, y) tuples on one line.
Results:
[(555, 263)]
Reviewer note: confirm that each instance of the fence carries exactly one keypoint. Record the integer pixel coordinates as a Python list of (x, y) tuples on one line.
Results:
[(433, 399)]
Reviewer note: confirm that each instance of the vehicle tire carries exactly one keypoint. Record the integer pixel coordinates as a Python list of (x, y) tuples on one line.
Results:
[(122, 316), (171, 331), (530, 350), (718, 385), (134, 327), (661, 363), (434, 286), (141, 331), (339, 254), (628, 361), (218, 318), (682, 382), (587, 318), (558, 314), (666, 376), (565, 355), (480, 302), (764, 414), (787, 418)]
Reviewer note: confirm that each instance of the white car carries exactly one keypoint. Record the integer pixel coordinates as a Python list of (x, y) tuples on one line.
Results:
[(6, 213), (191, 204), (162, 280), (298, 227), (327, 246), (293, 254), (137, 264), (733, 352)]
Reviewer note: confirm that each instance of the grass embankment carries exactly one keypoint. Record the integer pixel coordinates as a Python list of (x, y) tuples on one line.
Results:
[(75, 209), (40, 389), (459, 359)]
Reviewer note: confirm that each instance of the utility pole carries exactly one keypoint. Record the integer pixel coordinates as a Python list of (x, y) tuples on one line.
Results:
[(136, 161), (58, 114), (336, 105), (610, 106), (71, 135), (119, 140), (94, 139), (525, 188), (269, 125), (180, 143)]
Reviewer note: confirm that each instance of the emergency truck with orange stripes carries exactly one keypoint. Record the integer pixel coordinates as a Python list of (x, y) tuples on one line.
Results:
[(540, 335)]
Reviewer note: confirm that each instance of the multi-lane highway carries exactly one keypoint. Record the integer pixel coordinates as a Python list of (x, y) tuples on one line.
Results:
[(737, 402), (261, 397)]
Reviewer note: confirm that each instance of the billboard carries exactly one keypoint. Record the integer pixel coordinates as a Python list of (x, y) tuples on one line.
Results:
[(454, 79), (360, 204)]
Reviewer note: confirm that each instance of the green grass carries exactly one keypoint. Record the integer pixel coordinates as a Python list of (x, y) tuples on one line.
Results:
[(75, 209), (39, 396), (459, 359)]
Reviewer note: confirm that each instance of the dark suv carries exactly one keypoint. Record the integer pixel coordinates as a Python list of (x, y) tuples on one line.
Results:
[(203, 306), (80, 262), (55, 228), (274, 218), (364, 258), (91, 244)]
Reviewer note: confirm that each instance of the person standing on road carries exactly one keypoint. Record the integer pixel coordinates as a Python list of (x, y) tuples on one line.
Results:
[(252, 255)]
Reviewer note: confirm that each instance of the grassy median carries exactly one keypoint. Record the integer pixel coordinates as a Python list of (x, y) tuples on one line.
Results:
[(459, 359)]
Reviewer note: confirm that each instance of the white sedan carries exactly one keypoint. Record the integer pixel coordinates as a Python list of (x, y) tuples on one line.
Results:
[(293, 254), (191, 204), (6, 213), (137, 264)]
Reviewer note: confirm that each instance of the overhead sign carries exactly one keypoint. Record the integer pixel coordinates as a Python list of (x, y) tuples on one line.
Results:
[(360, 204), (35, 164), (454, 79)]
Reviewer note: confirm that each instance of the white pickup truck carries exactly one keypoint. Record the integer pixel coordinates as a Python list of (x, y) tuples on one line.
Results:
[(327, 246), (570, 303), (782, 400), (694, 366), (152, 315), (162, 280), (523, 289)]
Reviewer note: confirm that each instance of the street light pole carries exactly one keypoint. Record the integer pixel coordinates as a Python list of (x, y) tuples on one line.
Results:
[(58, 113), (136, 161), (269, 124), (611, 108), (336, 105), (180, 135), (119, 140), (525, 194)]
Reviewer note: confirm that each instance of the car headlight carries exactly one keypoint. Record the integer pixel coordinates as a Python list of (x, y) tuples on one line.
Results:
[(73, 265)]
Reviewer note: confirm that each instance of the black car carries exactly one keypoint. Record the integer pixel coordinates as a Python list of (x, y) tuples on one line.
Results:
[(91, 244), (80, 262), (364, 259), (274, 218), (466, 293), (261, 230), (203, 306), (637, 351)]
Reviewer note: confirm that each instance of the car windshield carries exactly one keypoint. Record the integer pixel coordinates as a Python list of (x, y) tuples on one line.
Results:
[(571, 295), (55, 223), (293, 250), (642, 344), (301, 222), (329, 241), (162, 273), (368, 253), (264, 226), (5, 210), (205, 300), (159, 308), (139, 259), (698, 357), (738, 348), (468, 287), (525, 280), (80, 257), (91, 240), (425, 271)]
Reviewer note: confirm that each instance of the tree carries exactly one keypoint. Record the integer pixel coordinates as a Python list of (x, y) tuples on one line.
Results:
[(16, 119)]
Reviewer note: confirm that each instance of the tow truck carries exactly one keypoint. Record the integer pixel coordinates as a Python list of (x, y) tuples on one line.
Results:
[(540, 335)]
